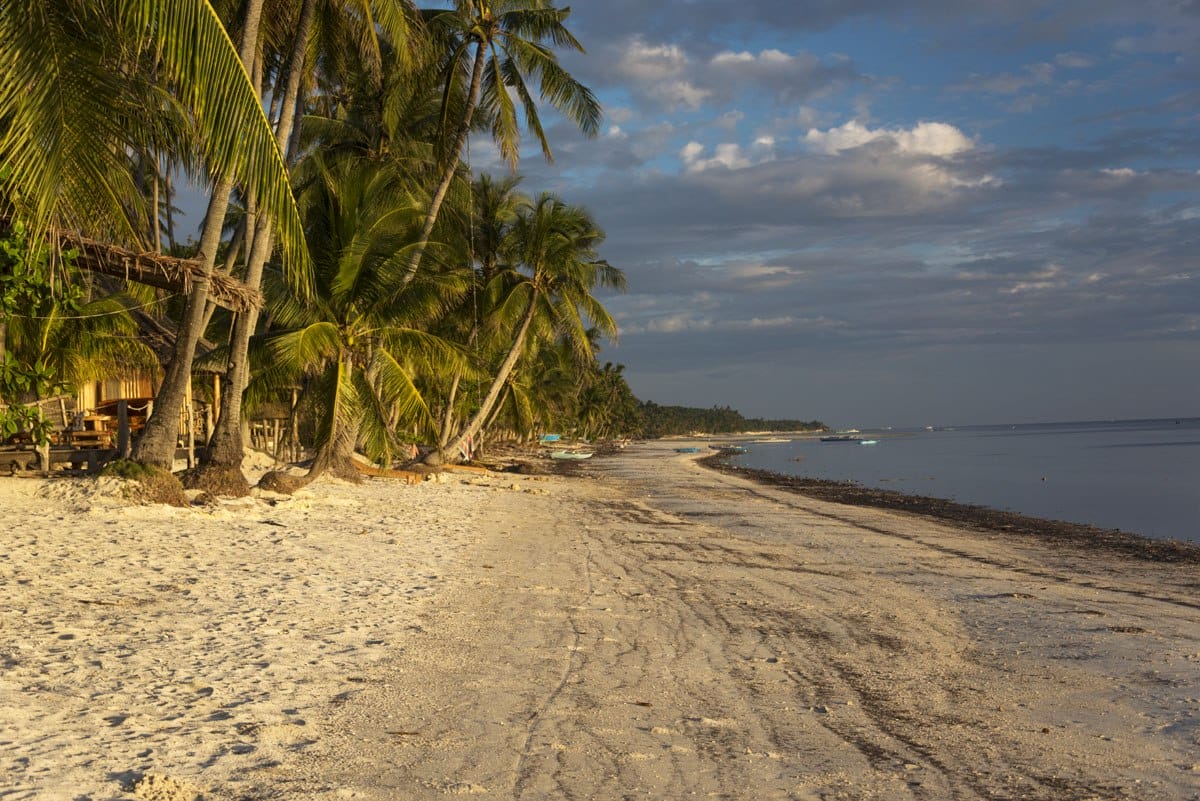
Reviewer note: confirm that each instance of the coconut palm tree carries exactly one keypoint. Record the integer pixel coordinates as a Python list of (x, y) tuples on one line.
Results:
[(344, 25), (75, 81), (495, 204), (360, 337), (491, 48), (547, 294)]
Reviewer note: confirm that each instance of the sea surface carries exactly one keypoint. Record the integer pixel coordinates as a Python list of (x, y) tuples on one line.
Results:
[(1141, 476)]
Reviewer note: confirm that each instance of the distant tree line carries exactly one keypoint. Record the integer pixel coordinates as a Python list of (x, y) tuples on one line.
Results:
[(665, 421)]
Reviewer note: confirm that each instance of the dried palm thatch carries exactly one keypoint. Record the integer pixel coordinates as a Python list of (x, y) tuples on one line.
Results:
[(157, 270)]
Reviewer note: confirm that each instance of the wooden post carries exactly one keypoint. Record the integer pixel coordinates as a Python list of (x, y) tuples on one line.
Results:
[(191, 426), (123, 444), (293, 429), (43, 448)]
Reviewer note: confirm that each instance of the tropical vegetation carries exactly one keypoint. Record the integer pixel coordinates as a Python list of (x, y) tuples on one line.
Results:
[(664, 421), (394, 299)]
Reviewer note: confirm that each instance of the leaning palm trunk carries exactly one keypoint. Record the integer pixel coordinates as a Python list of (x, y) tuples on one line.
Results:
[(491, 422), (456, 147), (157, 444), (458, 448), (334, 457), (450, 418), (335, 444), (227, 445)]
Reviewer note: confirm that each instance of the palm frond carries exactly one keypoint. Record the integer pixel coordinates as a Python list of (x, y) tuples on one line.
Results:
[(63, 72), (309, 348)]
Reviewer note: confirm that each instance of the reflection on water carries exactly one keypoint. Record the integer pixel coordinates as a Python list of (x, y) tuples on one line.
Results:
[(1138, 475), (1150, 445)]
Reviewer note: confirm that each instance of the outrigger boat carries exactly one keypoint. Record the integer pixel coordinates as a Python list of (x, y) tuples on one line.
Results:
[(570, 454)]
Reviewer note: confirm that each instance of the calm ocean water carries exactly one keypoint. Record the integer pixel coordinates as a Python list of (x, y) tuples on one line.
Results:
[(1142, 476)]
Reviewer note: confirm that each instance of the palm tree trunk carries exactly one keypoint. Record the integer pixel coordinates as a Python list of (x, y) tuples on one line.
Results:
[(157, 444), (439, 195), (227, 446), (335, 455), (448, 420), (506, 367), (499, 407), (154, 219), (168, 197)]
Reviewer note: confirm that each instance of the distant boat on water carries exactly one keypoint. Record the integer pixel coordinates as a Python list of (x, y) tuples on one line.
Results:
[(687, 450), (840, 438), (868, 442)]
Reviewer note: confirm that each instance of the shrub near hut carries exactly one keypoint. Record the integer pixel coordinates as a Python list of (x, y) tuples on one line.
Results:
[(29, 296)]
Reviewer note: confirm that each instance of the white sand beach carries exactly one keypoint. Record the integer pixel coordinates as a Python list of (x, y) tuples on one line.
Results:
[(655, 630)]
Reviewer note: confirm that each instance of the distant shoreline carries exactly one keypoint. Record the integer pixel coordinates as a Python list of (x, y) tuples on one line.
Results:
[(979, 518)]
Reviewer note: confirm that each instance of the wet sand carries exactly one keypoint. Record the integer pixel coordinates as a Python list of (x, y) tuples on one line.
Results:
[(652, 629), (979, 518)]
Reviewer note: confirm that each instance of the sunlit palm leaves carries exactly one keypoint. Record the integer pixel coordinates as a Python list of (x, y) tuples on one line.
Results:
[(75, 85), (514, 41), (361, 342), (545, 293)]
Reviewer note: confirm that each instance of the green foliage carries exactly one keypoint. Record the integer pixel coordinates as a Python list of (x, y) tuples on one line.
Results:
[(360, 338), (510, 42), (27, 287), (126, 468), (84, 85), (665, 421), (27, 281)]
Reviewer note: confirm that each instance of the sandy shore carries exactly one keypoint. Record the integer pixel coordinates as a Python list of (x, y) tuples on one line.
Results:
[(657, 630)]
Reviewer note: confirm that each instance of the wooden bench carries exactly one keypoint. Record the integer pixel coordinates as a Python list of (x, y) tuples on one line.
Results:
[(92, 439)]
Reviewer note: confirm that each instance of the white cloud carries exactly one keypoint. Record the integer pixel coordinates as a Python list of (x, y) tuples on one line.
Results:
[(666, 76), (848, 171), (660, 72), (645, 62), (925, 139), (766, 60), (728, 155)]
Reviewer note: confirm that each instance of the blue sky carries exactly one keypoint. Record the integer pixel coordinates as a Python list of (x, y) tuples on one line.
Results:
[(896, 213)]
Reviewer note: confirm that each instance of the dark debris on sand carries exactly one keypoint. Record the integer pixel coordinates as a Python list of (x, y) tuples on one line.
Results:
[(979, 518)]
